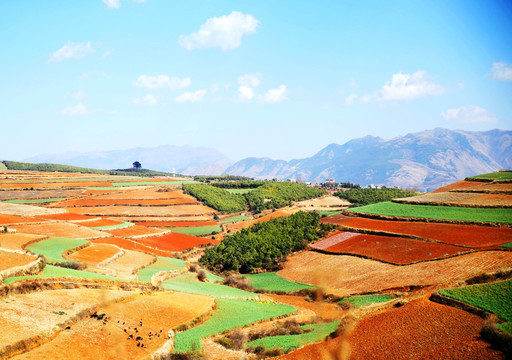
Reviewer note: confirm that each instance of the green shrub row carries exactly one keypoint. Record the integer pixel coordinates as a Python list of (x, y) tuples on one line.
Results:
[(360, 197), (216, 198)]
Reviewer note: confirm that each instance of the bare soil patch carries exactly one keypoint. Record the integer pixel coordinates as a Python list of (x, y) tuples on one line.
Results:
[(38, 194), (327, 311), (129, 262), (15, 219), (135, 231), (175, 241), (132, 245), (94, 253), (460, 199), (148, 193), (459, 185), (67, 230), (18, 241), (176, 223), (27, 210), (158, 211), (9, 259)]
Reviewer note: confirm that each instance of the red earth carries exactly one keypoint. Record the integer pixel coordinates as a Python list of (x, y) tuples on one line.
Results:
[(131, 245), (101, 222), (110, 202), (133, 231), (459, 185), (175, 241), (15, 219), (176, 223), (67, 216)]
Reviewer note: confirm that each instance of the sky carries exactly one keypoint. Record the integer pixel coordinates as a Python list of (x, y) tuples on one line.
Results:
[(279, 79)]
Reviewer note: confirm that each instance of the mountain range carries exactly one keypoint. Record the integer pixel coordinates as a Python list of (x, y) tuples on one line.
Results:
[(425, 160)]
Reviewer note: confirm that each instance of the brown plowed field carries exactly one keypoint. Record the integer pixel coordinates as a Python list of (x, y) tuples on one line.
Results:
[(247, 223), (131, 245), (327, 311), (94, 339), (129, 262), (418, 330), (394, 250), (9, 260), (490, 188), (176, 223), (17, 241), (134, 202), (465, 235), (121, 210), (460, 199), (59, 184), (175, 241), (94, 254), (70, 216), (150, 193), (27, 210), (33, 314), (459, 185), (35, 194), (14, 219), (67, 230), (101, 222), (142, 219), (135, 230), (345, 274)]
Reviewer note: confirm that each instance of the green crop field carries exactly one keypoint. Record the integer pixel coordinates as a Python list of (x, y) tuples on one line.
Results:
[(112, 227), (329, 213), (289, 342), (2, 166), (234, 219), (500, 175), (53, 247), (507, 245), (437, 212), (230, 314), (161, 264), (57, 271), (33, 201), (365, 300), (197, 230), (187, 283), (239, 191), (272, 282), (493, 297)]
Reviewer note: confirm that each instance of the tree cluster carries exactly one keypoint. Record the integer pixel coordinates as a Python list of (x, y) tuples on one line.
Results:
[(360, 197), (216, 198), (246, 184)]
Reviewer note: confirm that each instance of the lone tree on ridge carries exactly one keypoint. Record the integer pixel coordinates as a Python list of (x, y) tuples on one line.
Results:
[(137, 165)]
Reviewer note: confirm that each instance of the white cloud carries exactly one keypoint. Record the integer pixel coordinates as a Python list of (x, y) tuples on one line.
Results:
[(349, 100), (501, 71), (274, 95), (409, 86), (113, 112), (250, 80), (112, 4), (139, 1), (77, 110), (106, 53), (161, 81), (190, 96), (79, 95), (224, 31), (72, 50), (245, 93), (148, 100), (468, 115)]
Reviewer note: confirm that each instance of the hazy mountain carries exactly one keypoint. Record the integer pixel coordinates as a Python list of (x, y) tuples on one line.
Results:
[(426, 160), (186, 160)]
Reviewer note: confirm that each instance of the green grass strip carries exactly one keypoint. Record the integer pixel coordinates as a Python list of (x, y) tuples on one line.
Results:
[(112, 227), (499, 175), (272, 282), (365, 300), (493, 297), (187, 283), (161, 264), (230, 314), (153, 183), (2, 166), (329, 213), (212, 277), (437, 212), (57, 271), (33, 201), (239, 191), (234, 219), (507, 245), (197, 230), (289, 342), (53, 247)]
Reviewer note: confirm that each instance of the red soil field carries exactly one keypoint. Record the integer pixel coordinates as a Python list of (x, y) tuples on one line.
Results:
[(459, 185), (247, 223), (491, 187), (55, 184), (150, 193), (15, 219), (39, 194), (464, 235), (501, 200), (176, 223), (158, 211), (18, 241), (133, 231), (67, 230), (418, 330), (394, 250), (131, 245), (346, 275), (175, 241), (93, 254), (135, 202), (67, 217), (101, 222), (9, 260)]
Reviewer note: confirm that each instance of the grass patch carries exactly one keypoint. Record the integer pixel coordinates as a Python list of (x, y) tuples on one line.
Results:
[(289, 342), (493, 297), (230, 314), (53, 247), (272, 282), (112, 227), (197, 230), (33, 201), (437, 212), (365, 300), (234, 219), (57, 271), (161, 264), (239, 191), (2, 166), (499, 175), (329, 213), (187, 283), (507, 245)]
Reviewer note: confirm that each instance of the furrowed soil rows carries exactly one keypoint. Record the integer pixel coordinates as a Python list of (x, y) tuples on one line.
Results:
[(145, 321), (134, 202), (132, 245), (417, 330), (175, 241), (176, 223), (101, 222), (66, 230), (27, 210), (14, 219), (346, 275), (9, 260), (247, 223), (36, 194), (389, 249), (70, 216), (490, 188), (459, 185), (129, 262), (327, 311), (465, 235), (18, 241), (135, 231), (41, 185), (152, 193), (94, 254), (460, 199), (122, 210)]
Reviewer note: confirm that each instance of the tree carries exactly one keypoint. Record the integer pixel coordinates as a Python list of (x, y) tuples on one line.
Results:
[(137, 165)]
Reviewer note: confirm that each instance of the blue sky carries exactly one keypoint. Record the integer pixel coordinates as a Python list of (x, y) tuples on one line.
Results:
[(281, 79)]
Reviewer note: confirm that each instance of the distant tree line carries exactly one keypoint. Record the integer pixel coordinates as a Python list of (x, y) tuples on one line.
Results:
[(341, 185), (360, 197), (216, 198), (246, 184), (215, 178)]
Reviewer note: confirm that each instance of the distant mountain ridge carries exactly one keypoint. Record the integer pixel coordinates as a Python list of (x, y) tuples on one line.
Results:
[(426, 160)]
